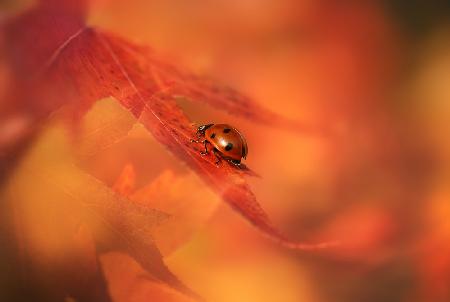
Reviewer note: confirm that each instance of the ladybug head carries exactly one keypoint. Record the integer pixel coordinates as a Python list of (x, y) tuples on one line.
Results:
[(201, 129)]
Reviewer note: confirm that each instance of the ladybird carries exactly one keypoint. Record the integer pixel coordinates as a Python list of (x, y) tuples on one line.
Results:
[(226, 141)]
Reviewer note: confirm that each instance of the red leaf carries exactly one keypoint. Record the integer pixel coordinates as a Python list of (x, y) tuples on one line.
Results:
[(77, 64)]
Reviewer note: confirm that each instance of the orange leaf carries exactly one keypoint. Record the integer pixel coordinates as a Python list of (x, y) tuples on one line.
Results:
[(126, 182), (185, 199), (52, 197)]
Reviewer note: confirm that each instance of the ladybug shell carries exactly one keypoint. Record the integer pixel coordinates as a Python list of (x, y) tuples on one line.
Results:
[(228, 141)]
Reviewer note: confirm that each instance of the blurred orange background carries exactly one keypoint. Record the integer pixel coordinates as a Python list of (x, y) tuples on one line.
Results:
[(375, 72)]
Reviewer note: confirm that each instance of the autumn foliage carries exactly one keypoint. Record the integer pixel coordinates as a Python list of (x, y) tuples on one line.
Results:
[(105, 197)]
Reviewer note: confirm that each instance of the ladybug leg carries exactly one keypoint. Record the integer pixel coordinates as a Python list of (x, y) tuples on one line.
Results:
[(206, 148), (204, 142), (198, 138), (218, 158), (236, 163)]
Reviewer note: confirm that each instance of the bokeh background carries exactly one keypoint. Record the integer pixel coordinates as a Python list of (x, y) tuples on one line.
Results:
[(375, 72)]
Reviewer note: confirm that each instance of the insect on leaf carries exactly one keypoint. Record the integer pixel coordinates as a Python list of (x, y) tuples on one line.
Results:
[(78, 65)]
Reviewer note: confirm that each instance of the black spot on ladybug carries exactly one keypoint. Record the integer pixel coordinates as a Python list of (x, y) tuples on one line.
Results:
[(226, 130), (229, 146), (212, 135)]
